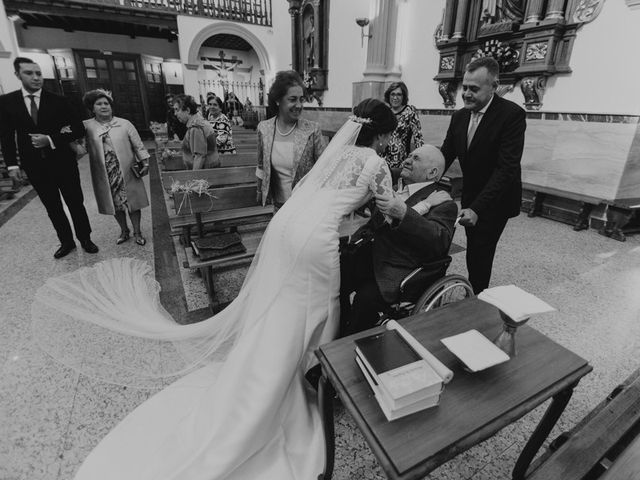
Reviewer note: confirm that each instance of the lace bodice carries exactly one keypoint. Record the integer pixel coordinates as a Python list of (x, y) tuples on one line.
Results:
[(359, 167)]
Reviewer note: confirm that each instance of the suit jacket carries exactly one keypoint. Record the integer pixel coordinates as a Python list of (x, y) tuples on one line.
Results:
[(491, 174), (399, 249), (308, 144), (56, 118)]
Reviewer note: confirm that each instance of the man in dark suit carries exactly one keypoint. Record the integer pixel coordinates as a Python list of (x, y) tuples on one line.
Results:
[(487, 137), (407, 230), (43, 125)]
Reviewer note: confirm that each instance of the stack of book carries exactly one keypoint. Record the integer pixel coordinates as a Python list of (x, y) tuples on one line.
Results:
[(404, 376)]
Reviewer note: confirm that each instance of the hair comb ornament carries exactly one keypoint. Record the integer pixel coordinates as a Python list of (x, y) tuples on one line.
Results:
[(362, 120), (107, 93)]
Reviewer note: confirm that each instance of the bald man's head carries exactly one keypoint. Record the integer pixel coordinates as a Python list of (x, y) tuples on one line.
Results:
[(424, 164)]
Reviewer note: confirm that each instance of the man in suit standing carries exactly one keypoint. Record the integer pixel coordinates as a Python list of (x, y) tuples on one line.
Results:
[(407, 230), (43, 125), (487, 137)]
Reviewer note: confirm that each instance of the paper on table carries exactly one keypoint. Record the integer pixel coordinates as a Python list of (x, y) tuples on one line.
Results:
[(515, 302), (439, 367), (475, 350)]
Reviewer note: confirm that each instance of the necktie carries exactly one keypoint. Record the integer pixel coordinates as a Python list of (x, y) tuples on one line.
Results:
[(475, 119), (34, 108)]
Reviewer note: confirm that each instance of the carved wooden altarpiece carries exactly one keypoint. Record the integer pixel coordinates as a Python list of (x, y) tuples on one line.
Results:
[(310, 47), (531, 40)]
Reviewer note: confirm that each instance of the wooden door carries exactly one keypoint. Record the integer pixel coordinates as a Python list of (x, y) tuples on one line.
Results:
[(120, 74)]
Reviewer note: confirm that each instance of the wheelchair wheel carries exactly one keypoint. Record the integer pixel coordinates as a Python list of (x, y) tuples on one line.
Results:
[(449, 289)]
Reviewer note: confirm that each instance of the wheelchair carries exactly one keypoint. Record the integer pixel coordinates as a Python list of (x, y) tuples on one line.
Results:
[(426, 288)]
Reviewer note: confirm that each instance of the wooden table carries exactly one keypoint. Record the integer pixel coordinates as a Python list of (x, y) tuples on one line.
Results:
[(473, 406)]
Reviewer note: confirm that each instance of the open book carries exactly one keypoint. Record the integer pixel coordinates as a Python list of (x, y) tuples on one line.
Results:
[(514, 302)]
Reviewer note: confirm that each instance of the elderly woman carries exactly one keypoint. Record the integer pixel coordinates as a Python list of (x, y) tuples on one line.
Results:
[(408, 134), (221, 125), (118, 161), (288, 146), (199, 144)]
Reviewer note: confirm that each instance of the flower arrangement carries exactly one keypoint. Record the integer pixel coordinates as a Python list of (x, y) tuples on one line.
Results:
[(168, 153), (506, 55), (199, 187)]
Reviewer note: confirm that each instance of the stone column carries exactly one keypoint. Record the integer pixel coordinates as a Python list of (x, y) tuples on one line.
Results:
[(555, 9), (461, 19), (296, 35), (449, 17), (381, 49), (534, 11)]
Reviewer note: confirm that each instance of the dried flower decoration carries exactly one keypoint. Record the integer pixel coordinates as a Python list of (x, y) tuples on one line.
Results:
[(106, 93), (362, 120)]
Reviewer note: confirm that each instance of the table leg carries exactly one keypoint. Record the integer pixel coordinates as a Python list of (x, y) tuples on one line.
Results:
[(541, 432), (325, 403)]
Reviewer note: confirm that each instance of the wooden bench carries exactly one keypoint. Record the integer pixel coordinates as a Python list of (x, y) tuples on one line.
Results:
[(234, 208), (563, 206), (235, 189), (604, 445)]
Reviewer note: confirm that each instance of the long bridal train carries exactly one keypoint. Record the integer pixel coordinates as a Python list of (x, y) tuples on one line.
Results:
[(243, 410)]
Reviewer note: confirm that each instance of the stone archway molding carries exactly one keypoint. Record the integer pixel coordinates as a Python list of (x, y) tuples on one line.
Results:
[(229, 28)]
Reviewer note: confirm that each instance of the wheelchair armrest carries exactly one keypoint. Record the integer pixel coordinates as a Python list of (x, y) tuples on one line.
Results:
[(432, 270)]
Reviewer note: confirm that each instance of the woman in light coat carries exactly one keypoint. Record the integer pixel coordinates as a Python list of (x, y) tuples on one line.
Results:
[(118, 161)]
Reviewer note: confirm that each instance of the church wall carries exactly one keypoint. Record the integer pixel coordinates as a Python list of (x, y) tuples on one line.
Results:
[(605, 64), (347, 58), (46, 38)]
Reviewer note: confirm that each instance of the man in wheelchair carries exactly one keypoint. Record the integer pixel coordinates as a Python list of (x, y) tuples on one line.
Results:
[(410, 230)]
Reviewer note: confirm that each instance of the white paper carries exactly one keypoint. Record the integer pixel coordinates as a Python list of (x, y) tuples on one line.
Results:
[(439, 367), (515, 302), (475, 350)]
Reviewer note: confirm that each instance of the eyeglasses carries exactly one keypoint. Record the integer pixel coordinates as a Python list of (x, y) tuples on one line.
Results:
[(396, 95)]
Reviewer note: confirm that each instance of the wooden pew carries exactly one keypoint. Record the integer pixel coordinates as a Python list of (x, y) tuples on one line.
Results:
[(233, 208), (219, 176), (604, 445)]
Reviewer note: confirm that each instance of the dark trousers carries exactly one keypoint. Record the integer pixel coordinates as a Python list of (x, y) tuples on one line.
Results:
[(50, 182), (356, 274), (482, 240)]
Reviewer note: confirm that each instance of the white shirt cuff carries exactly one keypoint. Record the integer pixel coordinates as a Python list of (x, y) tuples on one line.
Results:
[(13, 167), (53, 147)]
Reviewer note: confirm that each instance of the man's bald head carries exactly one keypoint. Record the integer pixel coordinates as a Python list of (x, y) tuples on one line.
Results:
[(424, 164)]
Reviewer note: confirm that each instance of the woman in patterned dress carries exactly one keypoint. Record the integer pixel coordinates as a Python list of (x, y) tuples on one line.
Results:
[(221, 125), (408, 134), (118, 161)]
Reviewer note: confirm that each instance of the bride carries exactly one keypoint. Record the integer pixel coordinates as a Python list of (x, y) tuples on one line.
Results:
[(242, 408)]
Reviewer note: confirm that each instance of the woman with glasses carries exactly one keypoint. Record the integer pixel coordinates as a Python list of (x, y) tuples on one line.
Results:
[(408, 134)]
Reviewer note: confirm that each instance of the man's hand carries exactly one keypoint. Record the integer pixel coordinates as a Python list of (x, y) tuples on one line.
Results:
[(14, 173), (38, 140), (392, 207), (468, 218), (438, 197)]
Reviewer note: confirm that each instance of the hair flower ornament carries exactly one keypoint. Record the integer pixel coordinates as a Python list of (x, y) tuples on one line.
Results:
[(106, 93), (362, 120)]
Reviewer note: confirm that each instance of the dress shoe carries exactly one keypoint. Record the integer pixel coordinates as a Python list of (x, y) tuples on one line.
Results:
[(89, 246), (124, 236), (140, 240), (64, 250)]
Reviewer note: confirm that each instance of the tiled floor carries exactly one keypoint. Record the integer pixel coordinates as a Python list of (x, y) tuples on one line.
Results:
[(51, 417)]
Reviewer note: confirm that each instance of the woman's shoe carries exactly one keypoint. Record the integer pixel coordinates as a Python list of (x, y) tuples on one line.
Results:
[(140, 240), (124, 236)]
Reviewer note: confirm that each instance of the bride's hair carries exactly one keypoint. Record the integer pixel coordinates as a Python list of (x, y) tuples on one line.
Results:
[(382, 119)]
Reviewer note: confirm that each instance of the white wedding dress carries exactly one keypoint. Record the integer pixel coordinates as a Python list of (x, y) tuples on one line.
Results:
[(246, 412)]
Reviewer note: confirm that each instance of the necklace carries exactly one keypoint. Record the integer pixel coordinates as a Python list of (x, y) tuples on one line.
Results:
[(281, 133)]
